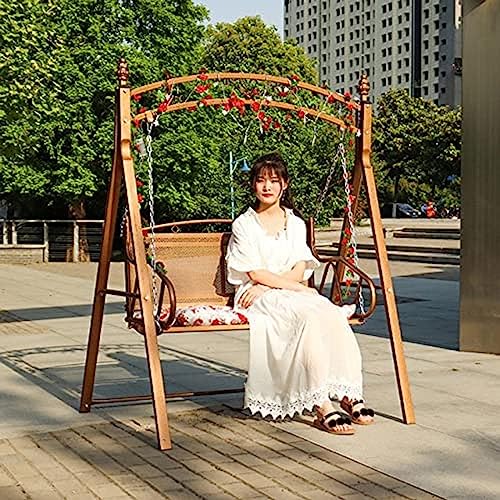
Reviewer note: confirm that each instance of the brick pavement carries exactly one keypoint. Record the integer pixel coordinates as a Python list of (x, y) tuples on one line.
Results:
[(218, 453)]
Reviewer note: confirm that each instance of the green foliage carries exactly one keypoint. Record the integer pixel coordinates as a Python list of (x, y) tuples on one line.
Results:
[(250, 46), (57, 79), (417, 150)]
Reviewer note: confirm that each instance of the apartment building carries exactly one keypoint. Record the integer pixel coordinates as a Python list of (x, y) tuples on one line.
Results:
[(413, 44)]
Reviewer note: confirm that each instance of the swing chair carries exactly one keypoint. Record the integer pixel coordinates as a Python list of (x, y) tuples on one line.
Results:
[(177, 269)]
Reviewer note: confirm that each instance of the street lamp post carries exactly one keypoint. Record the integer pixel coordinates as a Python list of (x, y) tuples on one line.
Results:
[(232, 167)]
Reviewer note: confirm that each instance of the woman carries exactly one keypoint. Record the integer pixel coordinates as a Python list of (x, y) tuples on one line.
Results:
[(303, 352)]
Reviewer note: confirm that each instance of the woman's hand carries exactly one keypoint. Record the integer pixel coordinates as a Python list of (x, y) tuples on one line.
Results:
[(252, 294)]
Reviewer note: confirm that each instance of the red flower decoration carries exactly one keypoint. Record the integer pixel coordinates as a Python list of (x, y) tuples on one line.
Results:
[(350, 106), (140, 198), (344, 241), (276, 124), (204, 101), (202, 88), (347, 94), (203, 75), (139, 183), (347, 231), (348, 282), (283, 93), (162, 107), (261, 116), (137, 97), (255, 106), (295, 78), (143, 110), (351, 142), (136, 122), (330, 99), (288, 116), (301, 114)]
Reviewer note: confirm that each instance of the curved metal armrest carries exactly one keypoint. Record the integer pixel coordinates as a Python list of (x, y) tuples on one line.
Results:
[(334, 261), (165, 285)]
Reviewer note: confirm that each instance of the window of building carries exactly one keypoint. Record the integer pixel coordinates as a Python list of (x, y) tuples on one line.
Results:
[(426, 13), (425, 75), (425, 59), (383, 82), (436, 88), (400, 79), (407, 77)]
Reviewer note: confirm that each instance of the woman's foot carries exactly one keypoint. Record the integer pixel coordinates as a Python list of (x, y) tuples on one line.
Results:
[(357, 411), (329, 420)]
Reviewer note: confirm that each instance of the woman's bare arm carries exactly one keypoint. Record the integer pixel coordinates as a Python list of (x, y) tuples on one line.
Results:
[(297, 272), (265, 277)]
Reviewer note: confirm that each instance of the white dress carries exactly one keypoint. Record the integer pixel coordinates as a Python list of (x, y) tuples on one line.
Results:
[(302, 349)]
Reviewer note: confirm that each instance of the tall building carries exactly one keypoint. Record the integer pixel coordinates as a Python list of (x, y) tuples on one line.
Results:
[(413, 44)]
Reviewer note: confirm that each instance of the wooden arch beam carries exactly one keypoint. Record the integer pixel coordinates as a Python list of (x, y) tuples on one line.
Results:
[(170, 82), (285, 106)]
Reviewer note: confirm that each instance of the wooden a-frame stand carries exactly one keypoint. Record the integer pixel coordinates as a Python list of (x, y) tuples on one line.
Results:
[(123, 173)]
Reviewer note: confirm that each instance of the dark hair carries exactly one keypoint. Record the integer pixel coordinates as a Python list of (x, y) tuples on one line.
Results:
[(273, 163)]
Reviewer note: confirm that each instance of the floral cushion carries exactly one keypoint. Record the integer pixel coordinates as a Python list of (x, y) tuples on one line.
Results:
[(202, 316)]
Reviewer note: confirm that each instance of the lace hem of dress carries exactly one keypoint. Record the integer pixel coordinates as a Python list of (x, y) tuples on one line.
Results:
[(301, 402)]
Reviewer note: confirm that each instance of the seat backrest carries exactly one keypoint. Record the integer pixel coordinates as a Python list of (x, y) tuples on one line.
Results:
[(195, 264)]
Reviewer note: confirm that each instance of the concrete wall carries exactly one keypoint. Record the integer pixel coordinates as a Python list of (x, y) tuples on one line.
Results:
[(23, 254), (480, 273)]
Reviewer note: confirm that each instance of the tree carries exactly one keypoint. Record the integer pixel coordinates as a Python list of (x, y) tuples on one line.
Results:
[(250, 46), (57, 80), (416, 147)]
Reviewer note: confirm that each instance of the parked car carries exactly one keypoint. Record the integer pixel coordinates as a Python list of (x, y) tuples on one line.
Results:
[(403, 210)]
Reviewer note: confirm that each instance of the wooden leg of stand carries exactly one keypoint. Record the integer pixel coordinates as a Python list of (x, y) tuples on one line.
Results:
[(158, 390), (101, 284), (390, 301)]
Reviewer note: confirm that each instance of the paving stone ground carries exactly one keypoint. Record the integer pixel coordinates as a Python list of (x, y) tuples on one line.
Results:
[(218, 453)]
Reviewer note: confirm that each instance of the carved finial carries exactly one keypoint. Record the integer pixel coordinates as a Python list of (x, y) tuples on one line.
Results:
[(363, 87), (122, 73)]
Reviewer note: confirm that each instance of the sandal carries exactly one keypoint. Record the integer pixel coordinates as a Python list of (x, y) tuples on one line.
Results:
[(356, 409), (331, 423)]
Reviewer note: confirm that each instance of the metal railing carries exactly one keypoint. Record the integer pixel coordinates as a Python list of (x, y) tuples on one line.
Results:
[(64, 240)]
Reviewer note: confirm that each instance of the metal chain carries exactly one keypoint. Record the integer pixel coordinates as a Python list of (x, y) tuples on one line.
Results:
[(350, 217), (123, 222), (149, 154), (323, 194)]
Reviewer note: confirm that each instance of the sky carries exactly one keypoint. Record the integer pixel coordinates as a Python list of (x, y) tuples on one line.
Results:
[(271, 11)]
